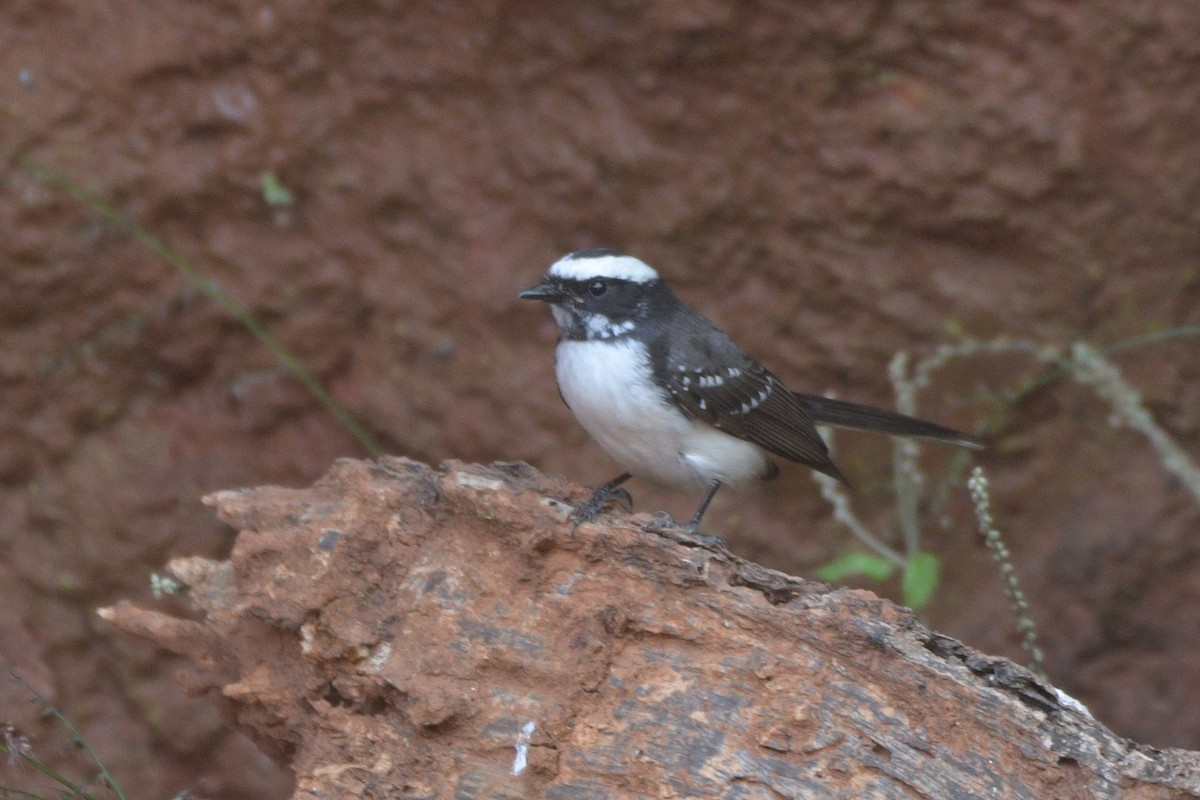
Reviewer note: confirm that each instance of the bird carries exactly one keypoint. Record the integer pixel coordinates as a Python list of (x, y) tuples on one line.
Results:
[(672, 399)]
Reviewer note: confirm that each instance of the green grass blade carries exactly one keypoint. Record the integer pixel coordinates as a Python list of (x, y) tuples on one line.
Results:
[(211, 289), (107, 777)]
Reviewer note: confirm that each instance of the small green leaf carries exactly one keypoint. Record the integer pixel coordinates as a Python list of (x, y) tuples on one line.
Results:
[(920, 579), (877, 568), (274, 193)]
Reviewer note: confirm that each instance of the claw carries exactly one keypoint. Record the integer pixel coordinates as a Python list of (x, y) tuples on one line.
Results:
[(601, 499), (662, 521), (665, 525), (707, 539)]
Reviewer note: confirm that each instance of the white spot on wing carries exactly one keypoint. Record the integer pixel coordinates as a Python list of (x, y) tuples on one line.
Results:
[(755, 401), (607, 266)]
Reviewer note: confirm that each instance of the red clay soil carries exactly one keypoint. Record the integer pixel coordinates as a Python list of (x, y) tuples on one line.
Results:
[(833, 182)]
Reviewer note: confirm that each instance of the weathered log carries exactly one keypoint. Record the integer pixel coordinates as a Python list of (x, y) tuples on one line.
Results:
[(404, 632)]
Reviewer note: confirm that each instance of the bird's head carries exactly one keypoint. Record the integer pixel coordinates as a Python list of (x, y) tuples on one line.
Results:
[(598, 293)]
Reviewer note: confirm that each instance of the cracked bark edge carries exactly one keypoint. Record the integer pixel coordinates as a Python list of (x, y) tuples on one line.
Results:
[(457, 637)]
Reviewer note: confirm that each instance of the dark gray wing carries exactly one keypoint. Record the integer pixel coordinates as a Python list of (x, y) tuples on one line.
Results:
[(721, 385)]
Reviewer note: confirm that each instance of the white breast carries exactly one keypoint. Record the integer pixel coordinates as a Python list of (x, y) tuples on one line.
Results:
[(609, 387)]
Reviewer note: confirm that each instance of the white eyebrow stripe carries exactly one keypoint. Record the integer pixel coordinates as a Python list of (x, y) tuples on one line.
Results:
[(621, 267)]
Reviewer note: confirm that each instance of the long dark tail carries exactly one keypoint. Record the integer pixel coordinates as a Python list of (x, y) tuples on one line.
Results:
[(841, 414)]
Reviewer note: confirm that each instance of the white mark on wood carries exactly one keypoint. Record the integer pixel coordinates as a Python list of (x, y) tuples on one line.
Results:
[(521, 761)]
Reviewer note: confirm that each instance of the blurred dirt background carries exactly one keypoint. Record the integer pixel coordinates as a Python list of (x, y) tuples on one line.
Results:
[(831, 182)]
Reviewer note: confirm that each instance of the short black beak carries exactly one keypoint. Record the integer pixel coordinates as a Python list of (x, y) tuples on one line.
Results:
[(546, 291)]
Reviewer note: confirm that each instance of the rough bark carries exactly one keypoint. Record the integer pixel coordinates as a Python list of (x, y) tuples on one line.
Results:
[(402, 631)]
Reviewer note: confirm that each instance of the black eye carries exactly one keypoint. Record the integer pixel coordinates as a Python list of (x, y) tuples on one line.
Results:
[(597, 288)]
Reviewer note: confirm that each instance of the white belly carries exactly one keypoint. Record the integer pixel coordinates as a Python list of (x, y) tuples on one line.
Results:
[(609, 388)]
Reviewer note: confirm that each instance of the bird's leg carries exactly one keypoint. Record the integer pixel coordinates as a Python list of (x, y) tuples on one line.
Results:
[(602, 498), (665, 521), (694, 525)]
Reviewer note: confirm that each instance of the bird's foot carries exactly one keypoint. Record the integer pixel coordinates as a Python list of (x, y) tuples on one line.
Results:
[(662, 521), (665, 525), (602, 499)]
